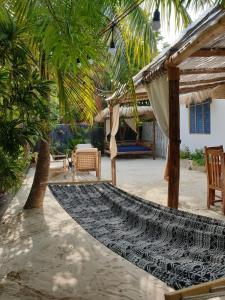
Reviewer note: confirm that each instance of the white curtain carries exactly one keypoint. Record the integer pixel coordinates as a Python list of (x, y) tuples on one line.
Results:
[(158, 92), (115, 126), (132, 124)]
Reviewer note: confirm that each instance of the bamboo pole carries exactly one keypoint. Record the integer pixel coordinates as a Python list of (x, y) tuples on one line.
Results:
[(154, 139), (113, 161), (174, 138)]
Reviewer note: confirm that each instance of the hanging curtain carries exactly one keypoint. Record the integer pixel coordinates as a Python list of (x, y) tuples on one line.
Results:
[(131, 122), (158, 92), (115, 126)]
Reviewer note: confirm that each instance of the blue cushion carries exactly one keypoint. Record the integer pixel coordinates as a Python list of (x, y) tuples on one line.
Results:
[(130, 148)]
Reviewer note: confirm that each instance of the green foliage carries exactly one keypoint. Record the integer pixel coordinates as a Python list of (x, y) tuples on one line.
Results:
[(197, 156), (23, 104), (185, 154), (81, 136), (11, 172)]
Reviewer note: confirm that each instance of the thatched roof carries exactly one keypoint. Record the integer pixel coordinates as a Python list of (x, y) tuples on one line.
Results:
[(199, 53), (122, 95), (127, 112)]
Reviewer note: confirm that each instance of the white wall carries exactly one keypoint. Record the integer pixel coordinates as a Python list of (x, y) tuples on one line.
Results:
[(217, 135)]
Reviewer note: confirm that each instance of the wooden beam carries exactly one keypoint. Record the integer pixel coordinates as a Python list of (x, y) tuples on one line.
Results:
[(200, 41), (77, 182), (186, 90), (153, 150), (209, 52), (174, 138), (113, 161), (202, 71), (185, 83), (196, 290), (113, 166)]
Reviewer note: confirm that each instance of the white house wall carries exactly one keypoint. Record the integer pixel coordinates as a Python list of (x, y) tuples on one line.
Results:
[(198, 141)]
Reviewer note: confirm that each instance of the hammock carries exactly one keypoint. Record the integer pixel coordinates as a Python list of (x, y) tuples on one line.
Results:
[(177, 247)]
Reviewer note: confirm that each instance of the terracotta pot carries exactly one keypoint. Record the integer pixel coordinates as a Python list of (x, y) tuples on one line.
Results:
[(5, 200)]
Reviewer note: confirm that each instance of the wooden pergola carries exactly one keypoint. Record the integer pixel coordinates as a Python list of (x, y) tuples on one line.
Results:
[(195, 62)]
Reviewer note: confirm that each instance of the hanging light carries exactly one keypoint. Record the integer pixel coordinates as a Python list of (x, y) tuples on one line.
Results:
[(90, 60), (156, 20), (112, 47), (78, 63)]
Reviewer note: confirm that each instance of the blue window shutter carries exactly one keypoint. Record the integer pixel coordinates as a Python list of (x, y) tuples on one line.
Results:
[(206, 117), (199, 118), (192, 119)]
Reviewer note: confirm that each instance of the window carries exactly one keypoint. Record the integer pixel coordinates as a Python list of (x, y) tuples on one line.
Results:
[(200, 117)]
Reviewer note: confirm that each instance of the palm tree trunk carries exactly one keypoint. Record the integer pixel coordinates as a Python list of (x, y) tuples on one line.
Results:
[(37, 192)]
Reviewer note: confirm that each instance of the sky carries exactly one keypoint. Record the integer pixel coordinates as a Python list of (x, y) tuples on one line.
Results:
[(170, 33)]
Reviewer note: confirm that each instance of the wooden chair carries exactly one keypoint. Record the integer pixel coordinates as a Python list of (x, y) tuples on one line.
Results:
[(58, 165), (85, 160), (215, 165)]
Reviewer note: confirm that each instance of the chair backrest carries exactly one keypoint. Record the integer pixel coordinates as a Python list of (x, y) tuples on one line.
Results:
[(86, 159), (83, 146), (214, 157)]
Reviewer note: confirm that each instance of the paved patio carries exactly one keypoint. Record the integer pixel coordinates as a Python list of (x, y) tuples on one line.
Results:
[(46, 255)]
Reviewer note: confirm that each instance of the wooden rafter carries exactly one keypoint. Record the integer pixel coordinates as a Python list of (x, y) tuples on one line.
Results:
[(209, 52), (202, 71), (201, 87), (195, 82)]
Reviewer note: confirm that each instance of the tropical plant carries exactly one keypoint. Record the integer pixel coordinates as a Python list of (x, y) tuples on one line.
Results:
[(11, 172), (22, 103)]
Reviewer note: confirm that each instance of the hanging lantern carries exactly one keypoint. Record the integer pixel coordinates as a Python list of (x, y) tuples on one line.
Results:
[(156, 25)]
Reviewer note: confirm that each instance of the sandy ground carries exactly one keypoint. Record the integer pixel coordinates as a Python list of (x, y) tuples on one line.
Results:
[(45, 254)]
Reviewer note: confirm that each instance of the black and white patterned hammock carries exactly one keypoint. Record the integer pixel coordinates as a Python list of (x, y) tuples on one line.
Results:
[(177, 247)]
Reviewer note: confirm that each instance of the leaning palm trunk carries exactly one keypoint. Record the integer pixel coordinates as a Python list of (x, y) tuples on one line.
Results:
[(37, 192)]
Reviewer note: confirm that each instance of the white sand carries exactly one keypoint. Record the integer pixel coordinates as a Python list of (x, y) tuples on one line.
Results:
[(45, 254)]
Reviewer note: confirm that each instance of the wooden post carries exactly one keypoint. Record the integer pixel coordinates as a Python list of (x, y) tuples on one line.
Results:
[(113, 166), (174, 137), (154, 138), (113, 161)]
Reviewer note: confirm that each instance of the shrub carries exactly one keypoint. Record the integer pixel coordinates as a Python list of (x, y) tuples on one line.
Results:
[(11, 172), (198, 157), (186, 153)]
